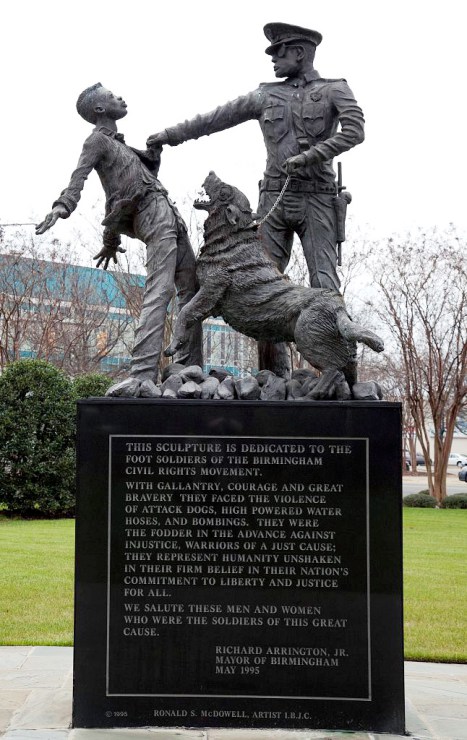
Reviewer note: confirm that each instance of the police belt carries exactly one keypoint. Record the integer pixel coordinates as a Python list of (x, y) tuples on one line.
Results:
[(297, 186)]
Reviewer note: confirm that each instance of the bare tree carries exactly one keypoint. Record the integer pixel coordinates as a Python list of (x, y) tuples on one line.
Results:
[(386, 369), (18, 290), (58, 311), (423, 284)]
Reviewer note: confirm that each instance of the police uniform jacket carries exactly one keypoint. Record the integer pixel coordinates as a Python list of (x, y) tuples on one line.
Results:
[(294, 116)]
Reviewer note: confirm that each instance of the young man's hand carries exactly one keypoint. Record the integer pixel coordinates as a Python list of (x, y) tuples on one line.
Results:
[(106, 254), (58, 211)]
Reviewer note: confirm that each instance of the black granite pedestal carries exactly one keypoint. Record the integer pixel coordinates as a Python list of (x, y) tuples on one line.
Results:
[(238, 564)]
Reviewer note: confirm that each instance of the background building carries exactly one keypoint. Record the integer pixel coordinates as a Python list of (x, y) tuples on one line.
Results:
[(83, 319)]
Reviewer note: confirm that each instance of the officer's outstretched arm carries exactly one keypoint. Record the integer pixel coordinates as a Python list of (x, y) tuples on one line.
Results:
[(244, 108)]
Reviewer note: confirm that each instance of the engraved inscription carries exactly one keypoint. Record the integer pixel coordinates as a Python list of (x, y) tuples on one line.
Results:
[(240, 548)]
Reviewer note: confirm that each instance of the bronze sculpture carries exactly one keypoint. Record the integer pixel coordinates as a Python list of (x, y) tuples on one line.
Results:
[(137, 205), (299, 118), (240, 282)]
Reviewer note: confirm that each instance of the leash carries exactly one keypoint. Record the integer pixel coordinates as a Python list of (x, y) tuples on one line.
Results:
[(279, 198), (26, 224)]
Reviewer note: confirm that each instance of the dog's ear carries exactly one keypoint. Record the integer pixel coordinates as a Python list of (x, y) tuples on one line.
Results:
[(232, 215)]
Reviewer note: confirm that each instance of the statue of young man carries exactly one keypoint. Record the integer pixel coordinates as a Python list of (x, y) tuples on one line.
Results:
[(137, 205), (299, 118)]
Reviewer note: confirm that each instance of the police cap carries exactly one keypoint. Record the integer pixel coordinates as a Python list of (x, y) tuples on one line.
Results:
[(284, 33)]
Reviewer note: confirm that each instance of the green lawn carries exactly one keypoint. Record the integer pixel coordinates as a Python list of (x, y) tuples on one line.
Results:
[(435, 584), (36, 583)]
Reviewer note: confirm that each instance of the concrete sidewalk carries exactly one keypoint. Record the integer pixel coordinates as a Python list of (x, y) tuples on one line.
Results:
[(419, 482), (36, 687)]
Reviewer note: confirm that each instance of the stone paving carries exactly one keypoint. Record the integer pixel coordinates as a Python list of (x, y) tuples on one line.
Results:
[(36, 687)]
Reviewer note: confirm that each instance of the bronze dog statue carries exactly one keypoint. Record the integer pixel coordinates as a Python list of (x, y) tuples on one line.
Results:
[(239, 282)]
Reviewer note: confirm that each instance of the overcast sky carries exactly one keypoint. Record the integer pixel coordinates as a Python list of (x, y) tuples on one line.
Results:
[(406, 63)]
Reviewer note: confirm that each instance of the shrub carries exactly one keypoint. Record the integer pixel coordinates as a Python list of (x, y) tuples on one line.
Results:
[(424, 492), (37, 410), (420, 500), (457, 501), (93, 384)]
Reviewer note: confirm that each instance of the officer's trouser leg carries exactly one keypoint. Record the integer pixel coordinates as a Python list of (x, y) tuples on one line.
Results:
[(277, 238), (317, 232)]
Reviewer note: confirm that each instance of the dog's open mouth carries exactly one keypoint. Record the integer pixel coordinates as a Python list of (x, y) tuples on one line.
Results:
[(203, 202)]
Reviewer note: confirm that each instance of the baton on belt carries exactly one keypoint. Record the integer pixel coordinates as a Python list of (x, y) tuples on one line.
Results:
[(341, 201)]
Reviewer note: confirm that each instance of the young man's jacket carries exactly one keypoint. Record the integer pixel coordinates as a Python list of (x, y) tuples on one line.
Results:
[(128, 176)]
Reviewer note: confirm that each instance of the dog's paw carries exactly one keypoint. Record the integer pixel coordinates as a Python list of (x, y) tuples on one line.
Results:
[(173, 347)]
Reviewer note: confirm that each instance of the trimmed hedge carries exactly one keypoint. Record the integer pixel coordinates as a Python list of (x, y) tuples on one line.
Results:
[(37, 437), (37, 428), (456, 501), (93, 384), (420, 500)]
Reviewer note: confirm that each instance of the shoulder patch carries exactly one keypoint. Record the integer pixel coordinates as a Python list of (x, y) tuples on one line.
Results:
[(270, 84)]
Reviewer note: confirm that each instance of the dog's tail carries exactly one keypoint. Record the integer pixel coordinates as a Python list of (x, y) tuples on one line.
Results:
[(353, 332)]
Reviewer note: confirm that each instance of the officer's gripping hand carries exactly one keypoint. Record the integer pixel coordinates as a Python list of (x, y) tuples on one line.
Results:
[(58, 211), (158, 140), (293, 164)]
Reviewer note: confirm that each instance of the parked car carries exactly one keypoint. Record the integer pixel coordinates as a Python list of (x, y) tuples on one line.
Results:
[(463, 474), (408, 460), (456, 459)]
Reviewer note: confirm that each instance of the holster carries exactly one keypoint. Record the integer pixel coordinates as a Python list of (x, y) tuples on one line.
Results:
[(340, 206)]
